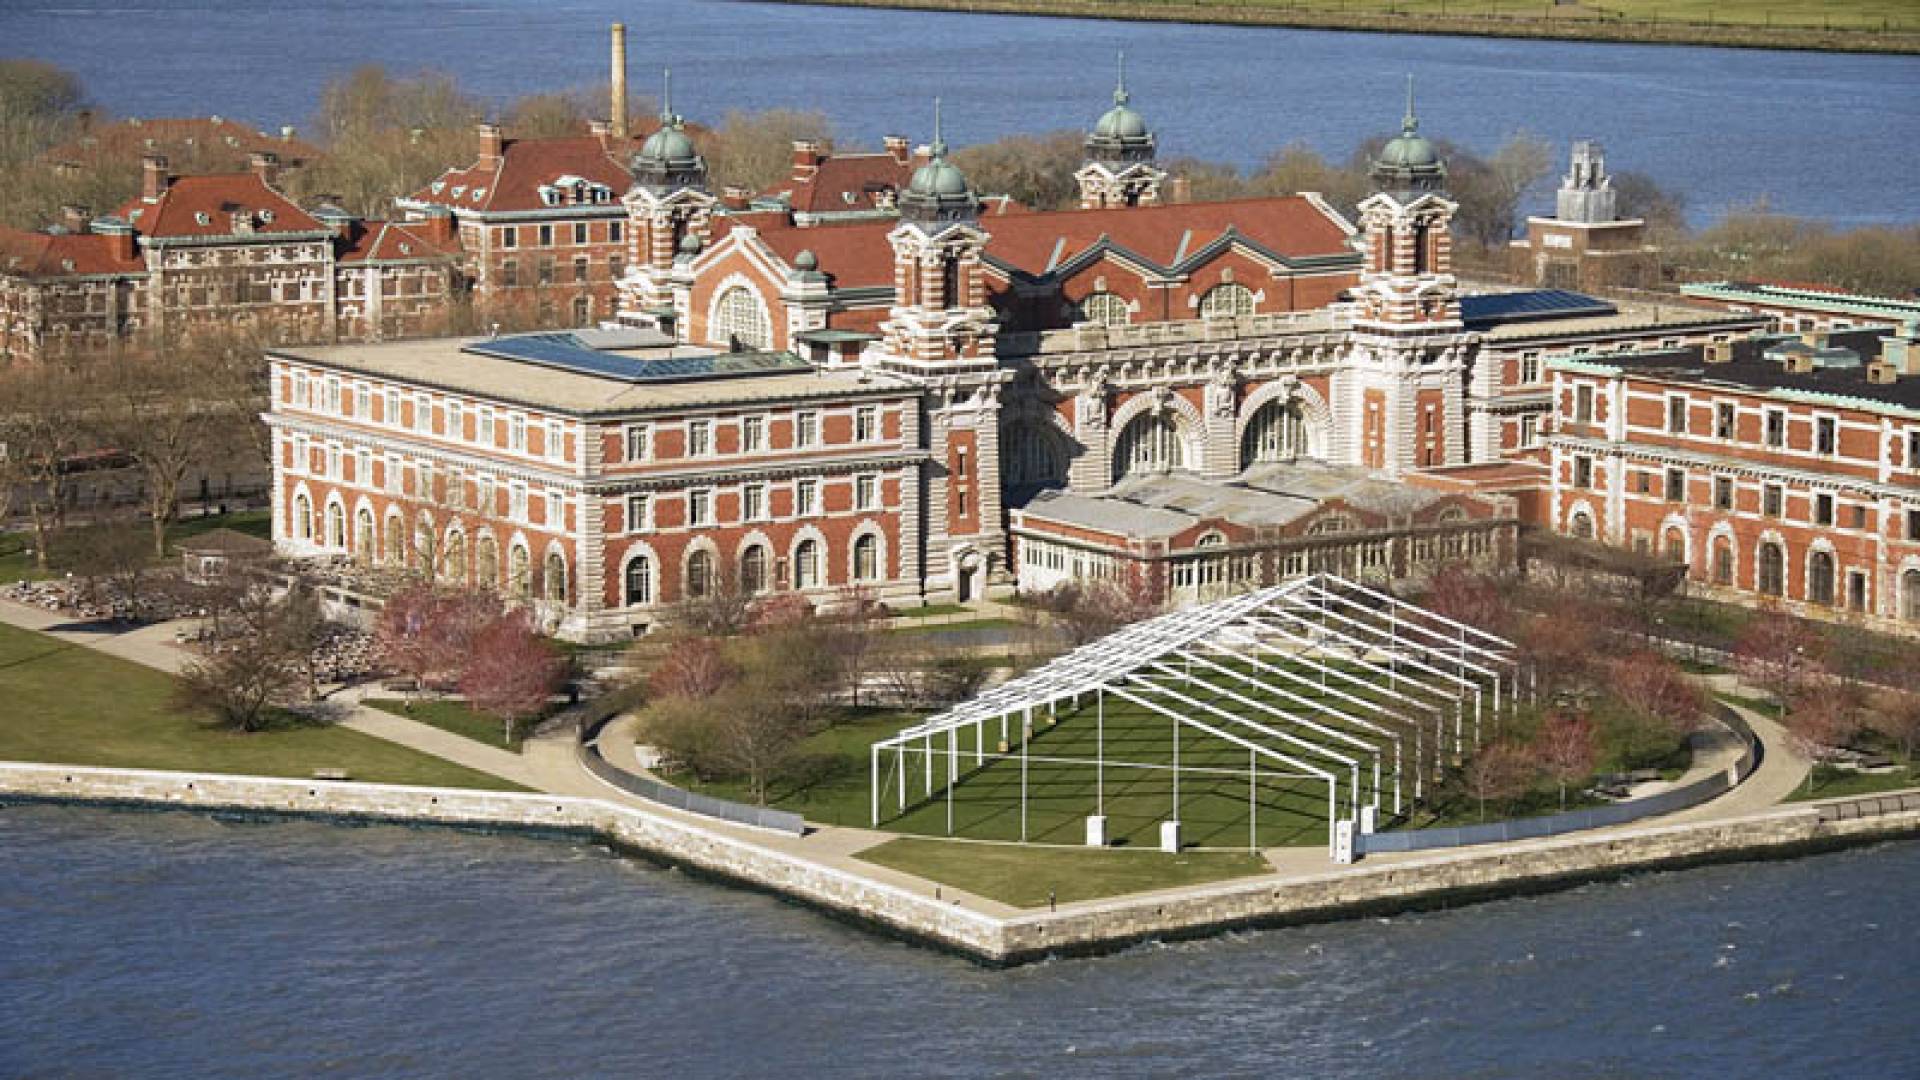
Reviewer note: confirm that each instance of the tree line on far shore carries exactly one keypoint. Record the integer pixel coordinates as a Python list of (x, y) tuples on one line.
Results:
[(386, 135)]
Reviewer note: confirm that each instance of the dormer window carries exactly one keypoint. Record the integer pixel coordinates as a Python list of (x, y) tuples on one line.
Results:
[(459, 191), (478, 192), (201, 217), (266, 216), (406, 248), (439, 186)]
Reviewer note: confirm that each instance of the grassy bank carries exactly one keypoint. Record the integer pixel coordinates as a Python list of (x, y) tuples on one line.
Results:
[(1026, 876), (72, 705), (1844, 26)]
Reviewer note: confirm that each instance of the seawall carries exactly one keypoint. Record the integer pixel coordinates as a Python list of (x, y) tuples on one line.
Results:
[(1616, 31), (1379, 886)]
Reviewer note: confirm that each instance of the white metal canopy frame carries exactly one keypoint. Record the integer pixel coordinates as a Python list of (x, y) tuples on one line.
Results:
[(1318, 679)]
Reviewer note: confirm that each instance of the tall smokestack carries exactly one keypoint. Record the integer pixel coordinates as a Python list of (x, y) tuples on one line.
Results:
[(619, 114)]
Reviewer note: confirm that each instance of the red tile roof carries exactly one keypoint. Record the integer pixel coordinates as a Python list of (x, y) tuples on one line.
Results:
[(845, 182), (1290, 226), (211, 139), (526, 164), (206, 205), (392, 241), (38, 254), (855, 255)]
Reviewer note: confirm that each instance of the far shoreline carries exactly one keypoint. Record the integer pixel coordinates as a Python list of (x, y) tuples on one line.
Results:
[(1592, 31)]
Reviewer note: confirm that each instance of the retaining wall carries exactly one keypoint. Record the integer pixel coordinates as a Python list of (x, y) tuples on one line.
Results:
[(1406, 882)]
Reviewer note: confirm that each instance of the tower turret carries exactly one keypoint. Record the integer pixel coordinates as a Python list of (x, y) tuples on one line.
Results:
[(940, 316), (1119, 169), (668, 214)]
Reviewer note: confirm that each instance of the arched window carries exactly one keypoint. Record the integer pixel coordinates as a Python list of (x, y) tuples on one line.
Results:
[(426, 544), (1150, 444), (1723, 561), (1910, 595), (753, 570), (1331, 525), (1226, 301), (454, 563), (556, 579), (740, 317), (1820, 578), (639, 581), (396, 541), (1033, 456), (1581, 526), (336, 526), (1772, 576), (486, 562), (699, 573), (302, 522), (1277, 432), (1676, 545), (1105, 309), (363, 535), (866, 558), (806, 565), (519, 572)]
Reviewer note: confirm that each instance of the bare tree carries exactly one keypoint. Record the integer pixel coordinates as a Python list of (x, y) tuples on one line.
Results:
[(44, 424), (1779, 654), (1566, 750), (111, 558), (754, 150), (248, 674), (1497, 772)]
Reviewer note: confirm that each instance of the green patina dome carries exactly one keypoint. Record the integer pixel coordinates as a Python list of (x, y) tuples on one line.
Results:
[(669, 144), (938, 177), (1120, 122), (1410, 150), (1409, 162)]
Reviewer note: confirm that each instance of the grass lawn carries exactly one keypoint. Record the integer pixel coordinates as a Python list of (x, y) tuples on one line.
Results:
[(71, 705), (1832, 783), (1024, 876), (457, 717), (16, 564), (830, 787), (929, 611), (1763, 705), (990, 622)]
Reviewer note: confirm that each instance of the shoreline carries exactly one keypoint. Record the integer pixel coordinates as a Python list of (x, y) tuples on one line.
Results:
[(1378, 885), (1595, 31)]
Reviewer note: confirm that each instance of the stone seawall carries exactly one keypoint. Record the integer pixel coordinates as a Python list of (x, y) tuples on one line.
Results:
[(1403, 883)]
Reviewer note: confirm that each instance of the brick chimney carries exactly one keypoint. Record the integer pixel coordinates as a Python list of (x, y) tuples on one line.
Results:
[(1179, 190), (806, 160), (437, 226), (153, 177), (1900, 350), (76, 219), (601, 130), (898, 148), (265, 165), (1719, 352), (735, 198), (490, 146)]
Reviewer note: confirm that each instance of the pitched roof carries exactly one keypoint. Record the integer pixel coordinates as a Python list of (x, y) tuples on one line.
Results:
[(1290, 227), (845, 183), (391, 241), (39, 254), (855, 255), (195, 206), (527, 164), (210, 138)]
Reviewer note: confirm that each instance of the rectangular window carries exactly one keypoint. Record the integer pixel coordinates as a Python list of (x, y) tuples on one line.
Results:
[(1723, 420), (1856, 590), (363, 402), (1529, 431), (1826, 435), (1913, 449), (753, 502), (334, 471), (546, 236), (1776, 428), (753, 433), (806, 497), (580, 268), (333, 394), (422, 413), (555, 441), (517, 433), (1643, 482), (483, 499), (1582, 471), (616, 267), (510, 236), (1676, 416), (580, 232), (390, 408), (866, 492), (517, 502), (639, 512), (1857, 516), (700, 507), (1913, 524), (1723, 493), (1772, 500), (393, 473), (302, 394), (510, 274), (1823, 509), (639, 442), (544, 271), (806, 429), (456, 420), (1529, 368), (1676, 485), (699, 438), (1583, 404), (485, 434), (614, 231), (456, 489), (866, 424)]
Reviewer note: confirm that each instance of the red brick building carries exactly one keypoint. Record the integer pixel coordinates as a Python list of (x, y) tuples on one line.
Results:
[(1804, 307)]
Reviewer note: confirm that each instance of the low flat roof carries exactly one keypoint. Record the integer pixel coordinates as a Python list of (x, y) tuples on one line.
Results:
[(477, 366)]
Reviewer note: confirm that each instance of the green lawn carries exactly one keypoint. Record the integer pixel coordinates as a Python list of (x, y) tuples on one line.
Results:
[(454, 716), (1025, 876), (829, 787), (71, 705), (16, 564), (1832, 783), (992, 622), (928, 611)]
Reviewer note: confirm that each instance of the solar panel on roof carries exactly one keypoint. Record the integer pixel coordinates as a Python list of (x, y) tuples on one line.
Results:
[(1498, 308), (568, 352)]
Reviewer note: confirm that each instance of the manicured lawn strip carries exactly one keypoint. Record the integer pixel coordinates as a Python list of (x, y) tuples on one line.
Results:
[(71, 705), (993, 622), (930, 611), (454, 716), (1762, 705), (830, 787), (1023, 876), (1832, 783)]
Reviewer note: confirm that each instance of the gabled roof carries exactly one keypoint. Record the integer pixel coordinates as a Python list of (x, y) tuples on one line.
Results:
[(844, 183), (204, 206), (527, 164), (391, 241), (39, 254), (207, 139), (856, 256), (1166, 237)]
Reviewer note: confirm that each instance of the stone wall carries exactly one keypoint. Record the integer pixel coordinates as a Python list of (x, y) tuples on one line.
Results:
[(1406, 883)]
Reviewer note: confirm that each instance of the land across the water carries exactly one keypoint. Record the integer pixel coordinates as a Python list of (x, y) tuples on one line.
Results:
[(1872, 26)]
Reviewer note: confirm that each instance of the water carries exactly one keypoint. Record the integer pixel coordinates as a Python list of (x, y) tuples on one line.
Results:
[(1828, 136), (173, 945)]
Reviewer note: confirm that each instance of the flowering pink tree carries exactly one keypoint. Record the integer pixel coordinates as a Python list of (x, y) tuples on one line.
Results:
[(510, 672), (1567, 750)]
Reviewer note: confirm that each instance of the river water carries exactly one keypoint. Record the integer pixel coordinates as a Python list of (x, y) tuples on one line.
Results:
[(1823, 135), (164, 945)]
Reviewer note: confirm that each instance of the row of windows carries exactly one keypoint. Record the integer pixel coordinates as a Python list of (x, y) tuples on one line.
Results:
[(446, 557), (579, 232), (545, 271), (1725, 426), (752, 431), (755, 504), (756, 570), (1084, 565), (355, 402), (1826, 508)]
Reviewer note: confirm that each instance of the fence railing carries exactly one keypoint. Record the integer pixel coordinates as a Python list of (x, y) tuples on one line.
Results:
[(1868, 806), (1620, 813), (654, 791)]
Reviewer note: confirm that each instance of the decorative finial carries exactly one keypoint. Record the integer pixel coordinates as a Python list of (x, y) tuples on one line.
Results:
[(1410, 123), (939, 145), (1120, 88)]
